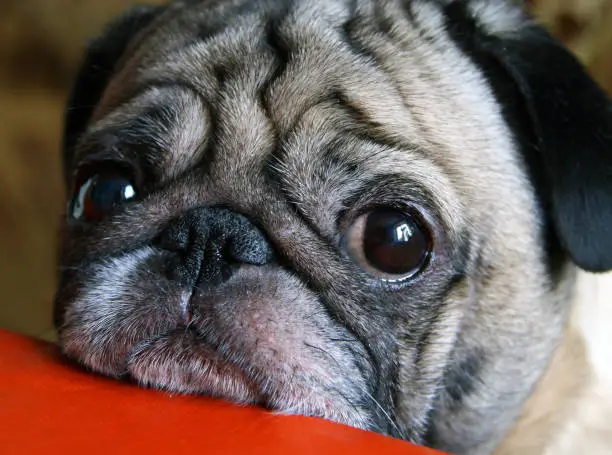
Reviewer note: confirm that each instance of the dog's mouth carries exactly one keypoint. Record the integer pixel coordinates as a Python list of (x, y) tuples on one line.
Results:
[(182, 362)]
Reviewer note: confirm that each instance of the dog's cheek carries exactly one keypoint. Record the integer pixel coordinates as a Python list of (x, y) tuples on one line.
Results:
[(121, 302)]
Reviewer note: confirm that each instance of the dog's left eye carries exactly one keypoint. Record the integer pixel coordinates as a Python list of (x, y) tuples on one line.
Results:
[(97, 195), (388, 243)]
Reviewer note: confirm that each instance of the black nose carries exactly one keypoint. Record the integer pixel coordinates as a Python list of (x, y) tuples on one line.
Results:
[(210, 244)]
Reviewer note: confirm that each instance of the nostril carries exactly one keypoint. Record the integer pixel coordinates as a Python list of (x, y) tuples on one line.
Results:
[(175, 238), (250, 247)]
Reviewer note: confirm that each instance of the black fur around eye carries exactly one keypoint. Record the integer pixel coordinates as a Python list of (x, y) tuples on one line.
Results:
[(97, 194), (388, 243)]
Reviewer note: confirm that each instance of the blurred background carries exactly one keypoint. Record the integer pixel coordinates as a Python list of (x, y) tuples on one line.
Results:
[(40, 47)]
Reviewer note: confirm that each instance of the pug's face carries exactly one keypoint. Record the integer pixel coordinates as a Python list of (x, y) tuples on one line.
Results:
[(363, 211)]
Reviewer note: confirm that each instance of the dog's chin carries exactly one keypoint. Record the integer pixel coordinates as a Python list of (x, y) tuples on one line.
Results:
[(182, 362)]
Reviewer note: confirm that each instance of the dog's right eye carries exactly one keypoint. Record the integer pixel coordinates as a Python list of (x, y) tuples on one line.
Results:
[(390, 244), (97, 195)]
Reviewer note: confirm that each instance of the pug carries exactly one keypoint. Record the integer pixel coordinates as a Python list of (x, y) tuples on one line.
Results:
[(377, 212)]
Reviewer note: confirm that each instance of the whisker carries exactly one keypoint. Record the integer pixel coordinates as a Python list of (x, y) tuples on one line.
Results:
[(386, 414), (374, 400)]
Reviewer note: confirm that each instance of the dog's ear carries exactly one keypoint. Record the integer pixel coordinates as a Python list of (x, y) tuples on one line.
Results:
[(563, 117), (97, 67)]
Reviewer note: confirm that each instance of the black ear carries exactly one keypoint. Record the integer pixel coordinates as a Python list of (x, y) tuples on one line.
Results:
[(99, 64), (563, 123)]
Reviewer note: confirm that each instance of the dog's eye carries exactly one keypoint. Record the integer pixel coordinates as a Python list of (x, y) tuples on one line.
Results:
[(388, 243), (97, 195)]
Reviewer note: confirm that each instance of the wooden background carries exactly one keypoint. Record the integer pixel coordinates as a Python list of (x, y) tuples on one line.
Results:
[(40, 46)]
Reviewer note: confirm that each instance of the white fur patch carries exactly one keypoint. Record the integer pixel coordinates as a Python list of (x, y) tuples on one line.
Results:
[(498, 17)]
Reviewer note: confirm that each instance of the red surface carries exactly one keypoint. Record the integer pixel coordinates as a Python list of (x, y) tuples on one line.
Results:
[(50, 407)]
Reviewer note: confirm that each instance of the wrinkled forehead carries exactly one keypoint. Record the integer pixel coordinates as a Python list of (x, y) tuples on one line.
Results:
[(246, 76), (288, 59)]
